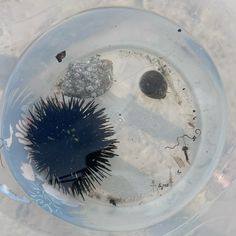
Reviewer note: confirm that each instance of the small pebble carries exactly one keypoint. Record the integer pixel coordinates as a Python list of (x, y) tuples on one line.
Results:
[(153, 84), (60, 56), (113, 202)]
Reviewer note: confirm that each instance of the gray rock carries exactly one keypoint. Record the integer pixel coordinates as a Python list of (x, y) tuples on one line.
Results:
[(88, 79)]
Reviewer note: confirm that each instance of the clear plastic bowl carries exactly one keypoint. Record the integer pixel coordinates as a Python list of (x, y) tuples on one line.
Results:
[(137, 34)]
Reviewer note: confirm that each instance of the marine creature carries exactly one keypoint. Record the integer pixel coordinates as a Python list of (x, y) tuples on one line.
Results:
[(70, 142)]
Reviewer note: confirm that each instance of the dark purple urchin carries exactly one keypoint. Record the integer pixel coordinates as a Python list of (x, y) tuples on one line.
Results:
[(70, 141)]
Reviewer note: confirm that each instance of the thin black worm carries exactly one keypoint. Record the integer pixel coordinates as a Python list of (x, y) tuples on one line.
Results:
[(197, 132)]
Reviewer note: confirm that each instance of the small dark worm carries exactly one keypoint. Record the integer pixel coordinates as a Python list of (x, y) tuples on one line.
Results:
[(176, 145), (197, 134)]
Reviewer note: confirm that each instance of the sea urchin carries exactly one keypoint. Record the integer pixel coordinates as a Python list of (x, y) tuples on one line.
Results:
[(69, 141)]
